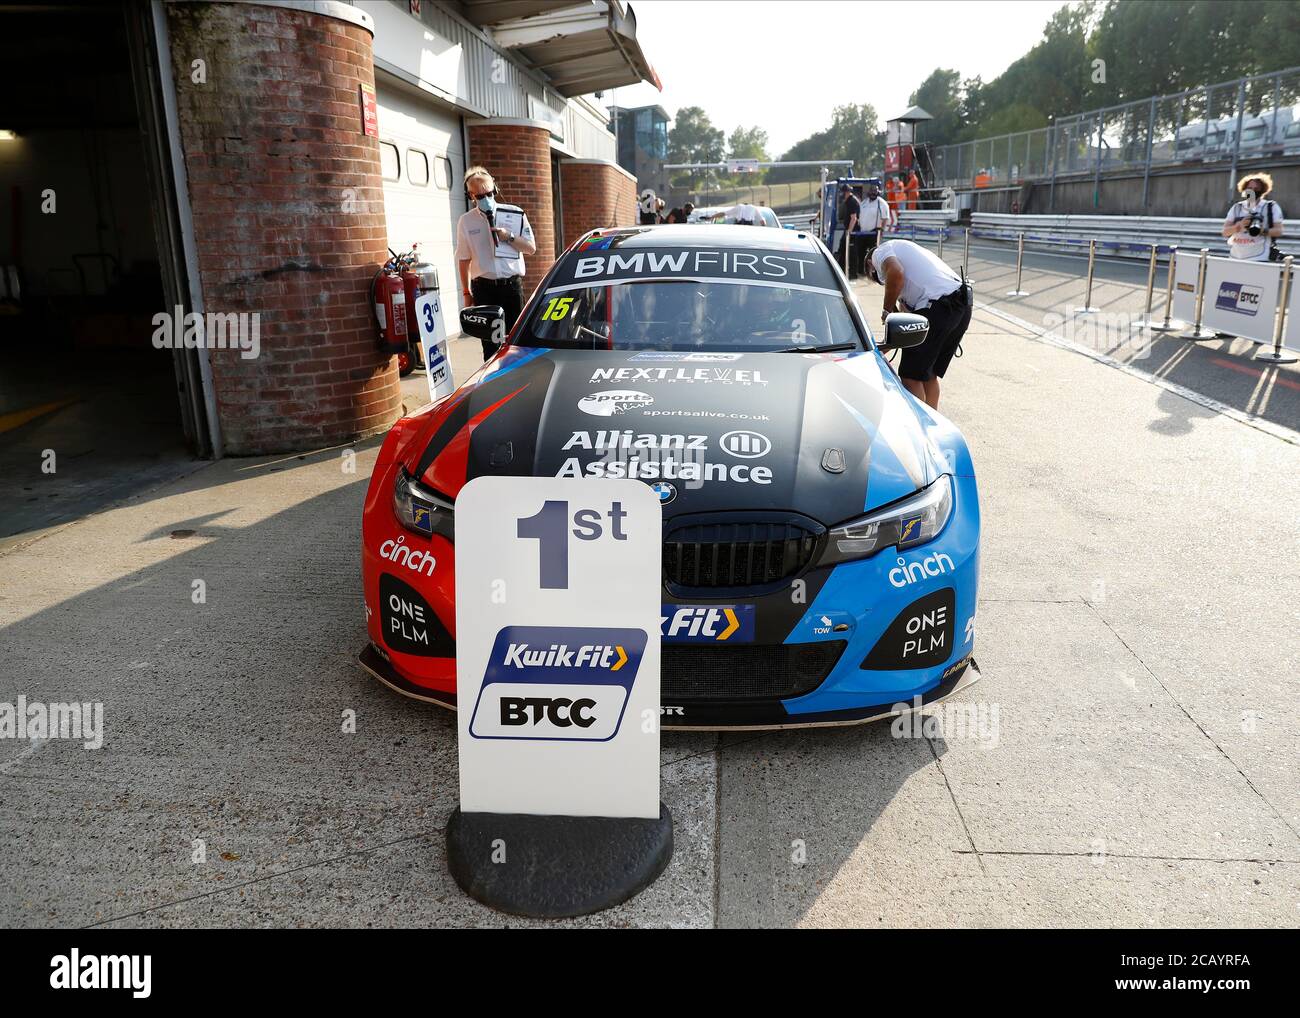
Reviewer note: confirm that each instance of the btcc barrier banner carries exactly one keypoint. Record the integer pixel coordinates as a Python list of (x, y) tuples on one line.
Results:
[(1185, 272), (1291, 332), (1241, 297), (557, 646), (433, 341)]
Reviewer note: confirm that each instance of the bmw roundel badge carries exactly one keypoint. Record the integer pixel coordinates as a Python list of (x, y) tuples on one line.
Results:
[(665, 491)]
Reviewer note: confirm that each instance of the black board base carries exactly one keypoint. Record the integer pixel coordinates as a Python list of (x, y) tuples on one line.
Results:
[(556, 867)]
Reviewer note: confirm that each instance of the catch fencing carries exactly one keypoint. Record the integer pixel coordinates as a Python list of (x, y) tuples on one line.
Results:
[(1249, 118)]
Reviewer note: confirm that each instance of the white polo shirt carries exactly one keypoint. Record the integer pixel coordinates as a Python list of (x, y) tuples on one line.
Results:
[(874, 214), (925, 277), (475, 244)]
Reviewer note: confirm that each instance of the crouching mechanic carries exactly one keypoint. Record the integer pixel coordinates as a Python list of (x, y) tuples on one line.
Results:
[(916, 280)]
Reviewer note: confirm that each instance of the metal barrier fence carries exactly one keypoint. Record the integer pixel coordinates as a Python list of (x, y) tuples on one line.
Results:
[(1254, 300), (1232, 121), (1116, 236)]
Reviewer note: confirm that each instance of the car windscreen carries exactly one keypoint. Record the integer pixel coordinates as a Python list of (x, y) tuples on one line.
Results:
[(732, 300)]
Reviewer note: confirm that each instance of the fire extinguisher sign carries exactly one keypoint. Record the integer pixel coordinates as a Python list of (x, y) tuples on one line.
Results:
[(369, 111)]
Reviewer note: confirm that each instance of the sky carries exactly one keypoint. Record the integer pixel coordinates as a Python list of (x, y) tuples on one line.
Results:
[(784, 66)]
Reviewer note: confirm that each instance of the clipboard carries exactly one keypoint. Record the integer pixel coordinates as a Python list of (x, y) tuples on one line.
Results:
[(512, 221)]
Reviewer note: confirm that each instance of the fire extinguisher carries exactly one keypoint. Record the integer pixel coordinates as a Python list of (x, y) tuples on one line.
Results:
[(394, 291), (388, 298)]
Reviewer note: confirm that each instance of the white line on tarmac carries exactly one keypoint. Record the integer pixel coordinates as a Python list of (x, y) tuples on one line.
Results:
[(1268, 427), (31, 750)]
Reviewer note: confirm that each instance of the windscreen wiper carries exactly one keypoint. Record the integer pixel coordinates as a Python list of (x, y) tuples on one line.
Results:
[(820, 349)]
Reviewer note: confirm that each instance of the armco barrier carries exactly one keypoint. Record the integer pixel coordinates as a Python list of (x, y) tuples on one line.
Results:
[(1116, 236)]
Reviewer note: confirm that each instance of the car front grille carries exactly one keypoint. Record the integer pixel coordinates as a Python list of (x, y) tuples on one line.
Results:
[(747, 553), (753, 672)]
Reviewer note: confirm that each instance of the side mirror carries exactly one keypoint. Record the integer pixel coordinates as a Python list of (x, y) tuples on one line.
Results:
[(484, 321), (902, 330)]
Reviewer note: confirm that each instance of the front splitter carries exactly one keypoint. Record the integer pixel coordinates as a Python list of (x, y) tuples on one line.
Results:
[(762, 717)]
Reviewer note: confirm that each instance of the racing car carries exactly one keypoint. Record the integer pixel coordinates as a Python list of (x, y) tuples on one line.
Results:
[(820, 526)]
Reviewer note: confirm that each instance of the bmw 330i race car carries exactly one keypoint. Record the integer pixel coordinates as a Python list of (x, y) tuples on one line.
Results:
[(820, 526)]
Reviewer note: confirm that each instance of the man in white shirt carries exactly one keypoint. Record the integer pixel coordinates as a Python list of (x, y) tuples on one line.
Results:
[(874, 218), (1255, 222), (491, 241), (917, 280)]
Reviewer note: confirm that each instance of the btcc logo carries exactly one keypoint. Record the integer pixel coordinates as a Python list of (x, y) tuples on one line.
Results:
[(1239, 298), (562, 683), (559, 711)]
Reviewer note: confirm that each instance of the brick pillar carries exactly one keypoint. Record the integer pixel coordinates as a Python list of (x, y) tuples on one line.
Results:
[(288, 213), (518, 155), (595, 194)]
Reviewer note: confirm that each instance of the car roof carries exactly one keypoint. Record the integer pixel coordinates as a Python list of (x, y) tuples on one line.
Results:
[(710, 235)]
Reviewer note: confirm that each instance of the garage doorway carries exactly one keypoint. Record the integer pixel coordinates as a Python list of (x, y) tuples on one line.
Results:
[(90, 411)]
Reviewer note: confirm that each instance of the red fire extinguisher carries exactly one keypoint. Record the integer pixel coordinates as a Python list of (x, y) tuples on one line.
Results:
[(389, 295), (393, 293)]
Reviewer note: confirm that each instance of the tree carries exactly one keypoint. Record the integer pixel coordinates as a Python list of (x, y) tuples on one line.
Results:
[(748, 143), (940, 95), (854, 135), (693, 139)]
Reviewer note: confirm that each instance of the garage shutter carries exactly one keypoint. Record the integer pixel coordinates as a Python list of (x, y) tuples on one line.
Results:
[(423, 159)]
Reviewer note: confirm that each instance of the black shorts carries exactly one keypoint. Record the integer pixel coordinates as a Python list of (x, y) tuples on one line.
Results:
[(949, 317)]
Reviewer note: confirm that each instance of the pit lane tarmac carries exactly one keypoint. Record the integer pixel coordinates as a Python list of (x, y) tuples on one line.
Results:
[(1127, 759)]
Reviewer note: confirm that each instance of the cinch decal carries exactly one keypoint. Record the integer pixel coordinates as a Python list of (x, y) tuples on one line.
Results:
[(707, 623), (560, 683)]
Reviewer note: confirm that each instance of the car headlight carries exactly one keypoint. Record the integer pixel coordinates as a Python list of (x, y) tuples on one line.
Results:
[(915, 520), (421, 510)]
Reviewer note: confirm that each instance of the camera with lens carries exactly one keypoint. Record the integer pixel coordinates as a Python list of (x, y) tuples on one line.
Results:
[(1255, 218)]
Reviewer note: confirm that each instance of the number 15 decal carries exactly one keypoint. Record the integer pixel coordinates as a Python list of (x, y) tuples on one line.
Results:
[(557, 308)]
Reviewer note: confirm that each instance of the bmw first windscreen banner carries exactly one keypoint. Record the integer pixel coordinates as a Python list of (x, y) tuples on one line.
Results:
[(557, 618)]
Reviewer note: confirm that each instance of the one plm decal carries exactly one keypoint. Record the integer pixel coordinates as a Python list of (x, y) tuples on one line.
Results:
[(557, 683), (409, 625), (919, 637), (707, 623)]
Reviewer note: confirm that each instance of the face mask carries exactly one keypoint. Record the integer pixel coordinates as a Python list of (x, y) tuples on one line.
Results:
[(487, 204)]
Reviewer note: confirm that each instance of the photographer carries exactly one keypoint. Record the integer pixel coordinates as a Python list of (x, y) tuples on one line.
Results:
[(1254, 223)]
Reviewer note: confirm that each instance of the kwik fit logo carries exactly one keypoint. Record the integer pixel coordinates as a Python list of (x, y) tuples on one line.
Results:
[(558, 683)]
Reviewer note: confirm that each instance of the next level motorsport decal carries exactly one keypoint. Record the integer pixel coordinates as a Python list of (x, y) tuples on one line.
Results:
[(590, 268)]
